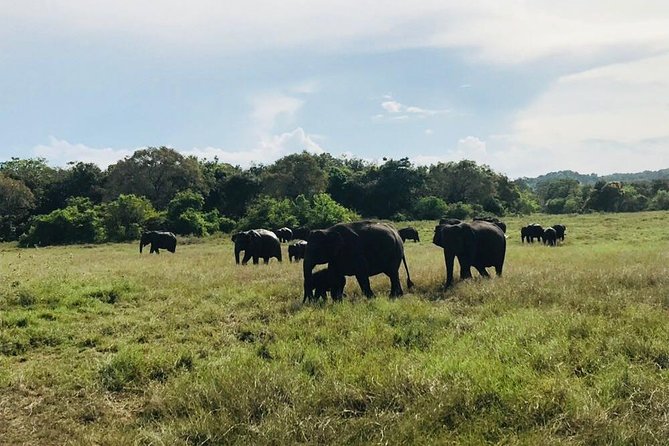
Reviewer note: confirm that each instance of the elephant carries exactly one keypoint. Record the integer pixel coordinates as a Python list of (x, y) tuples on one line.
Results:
[(301, 233), (530, 232), (257, 243), (550, 237), (158, 239), (322, 282), (559, 231), (284, 234), (409, 233), (479, 244), (494, 220), (449, 221), (361, 249), (296, 250)]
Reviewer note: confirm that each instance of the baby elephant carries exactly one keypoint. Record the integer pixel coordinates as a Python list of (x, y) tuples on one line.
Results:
[(322, 282), (409, 233)]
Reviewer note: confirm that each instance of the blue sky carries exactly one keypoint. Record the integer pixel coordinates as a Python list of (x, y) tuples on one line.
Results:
[(525, 87)]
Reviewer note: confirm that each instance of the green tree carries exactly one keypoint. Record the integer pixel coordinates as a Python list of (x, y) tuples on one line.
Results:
[(293, 175), (78, 222), (16, 203), (430, 208), (126, 217), (156, 173)]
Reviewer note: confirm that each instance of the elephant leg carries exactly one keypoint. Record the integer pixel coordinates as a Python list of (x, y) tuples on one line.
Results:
[(265, 260), (482, 271), (395, 284), (498, 270), (256, 259), (246, 258), (363, 281)]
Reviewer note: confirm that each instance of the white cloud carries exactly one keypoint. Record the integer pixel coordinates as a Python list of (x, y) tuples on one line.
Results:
[(529, 30), (393, 108), (272, 109), (59, 152), (612, 118)]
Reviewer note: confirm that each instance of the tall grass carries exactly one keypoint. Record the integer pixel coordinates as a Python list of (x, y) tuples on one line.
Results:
[(99, 345)]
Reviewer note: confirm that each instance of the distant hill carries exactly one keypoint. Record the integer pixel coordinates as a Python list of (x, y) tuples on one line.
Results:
[(646, 175)]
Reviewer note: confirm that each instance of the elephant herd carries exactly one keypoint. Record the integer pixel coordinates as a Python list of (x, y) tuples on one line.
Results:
[(367, 248), (548, 236)]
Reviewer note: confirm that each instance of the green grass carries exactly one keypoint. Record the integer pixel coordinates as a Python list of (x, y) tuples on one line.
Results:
[(99, 345)]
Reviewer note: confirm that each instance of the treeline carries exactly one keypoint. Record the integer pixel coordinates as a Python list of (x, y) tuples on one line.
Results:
[(158, 188)]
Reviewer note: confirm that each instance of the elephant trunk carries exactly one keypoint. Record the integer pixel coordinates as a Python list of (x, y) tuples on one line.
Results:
[(141, 245), (237, 251)]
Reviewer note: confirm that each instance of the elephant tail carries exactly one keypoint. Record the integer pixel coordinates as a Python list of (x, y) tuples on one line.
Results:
[(409, 282)]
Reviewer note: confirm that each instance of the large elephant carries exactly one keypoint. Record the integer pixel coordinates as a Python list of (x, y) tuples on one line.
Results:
[(550, 237), (530, 232), (479, 244), (301, 233), (323, 282), (409, 233), (257, 243), (559, 231), (494, 220), (361, 249), (158, 240), (284, 234), (296, 250)]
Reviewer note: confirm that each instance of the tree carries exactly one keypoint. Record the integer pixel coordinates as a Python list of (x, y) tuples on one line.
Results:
[(16, 203), (126, 217), (35, 174), (430, 208), (156, 173), (293, 175), (79, 180)]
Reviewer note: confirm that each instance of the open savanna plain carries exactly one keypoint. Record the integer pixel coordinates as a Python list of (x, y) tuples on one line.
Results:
[(102, 345)]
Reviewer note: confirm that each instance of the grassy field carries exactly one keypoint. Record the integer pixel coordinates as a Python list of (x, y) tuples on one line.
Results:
[(99, 345)]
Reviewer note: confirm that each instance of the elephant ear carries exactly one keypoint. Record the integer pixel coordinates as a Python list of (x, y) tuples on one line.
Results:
[(437, 236), (469, 241)]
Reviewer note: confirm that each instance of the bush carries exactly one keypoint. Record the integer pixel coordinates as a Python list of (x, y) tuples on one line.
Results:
[(126, 217), (76, 223), (460, 211), (267, 212), (430, 208), (190, 222), (660, 202), (326, 212)]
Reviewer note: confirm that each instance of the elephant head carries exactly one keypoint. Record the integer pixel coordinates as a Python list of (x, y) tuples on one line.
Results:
[(458, 241), (245, 241), (325, 246), (145, 240)]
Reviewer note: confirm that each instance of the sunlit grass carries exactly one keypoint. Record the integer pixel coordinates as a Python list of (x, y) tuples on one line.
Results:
[(101, 345)]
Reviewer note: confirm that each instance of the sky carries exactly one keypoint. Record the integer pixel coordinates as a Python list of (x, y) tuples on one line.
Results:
[(526, 87)]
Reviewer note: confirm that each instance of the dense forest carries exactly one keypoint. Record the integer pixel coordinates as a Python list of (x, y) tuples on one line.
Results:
[(160, 188)]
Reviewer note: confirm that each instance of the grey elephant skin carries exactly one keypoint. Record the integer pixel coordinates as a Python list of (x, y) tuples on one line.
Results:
[(409, 233), (323, 282), (257, 244), (296, 250), (559, 231), (158, 240), (361, 249), (494, 220), (284, 234), (530, 232), (549, 237), (478, 244)]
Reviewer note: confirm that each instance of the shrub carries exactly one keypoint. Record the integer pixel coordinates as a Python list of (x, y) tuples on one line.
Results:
[(326, 212), (430, 208), (126, 217), (460, 211), (76, 223)]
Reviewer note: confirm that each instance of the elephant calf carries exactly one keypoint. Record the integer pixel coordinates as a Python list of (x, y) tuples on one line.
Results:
[(296, 250), (323, 282), (409, 233), (550, 237), (158, 240)]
